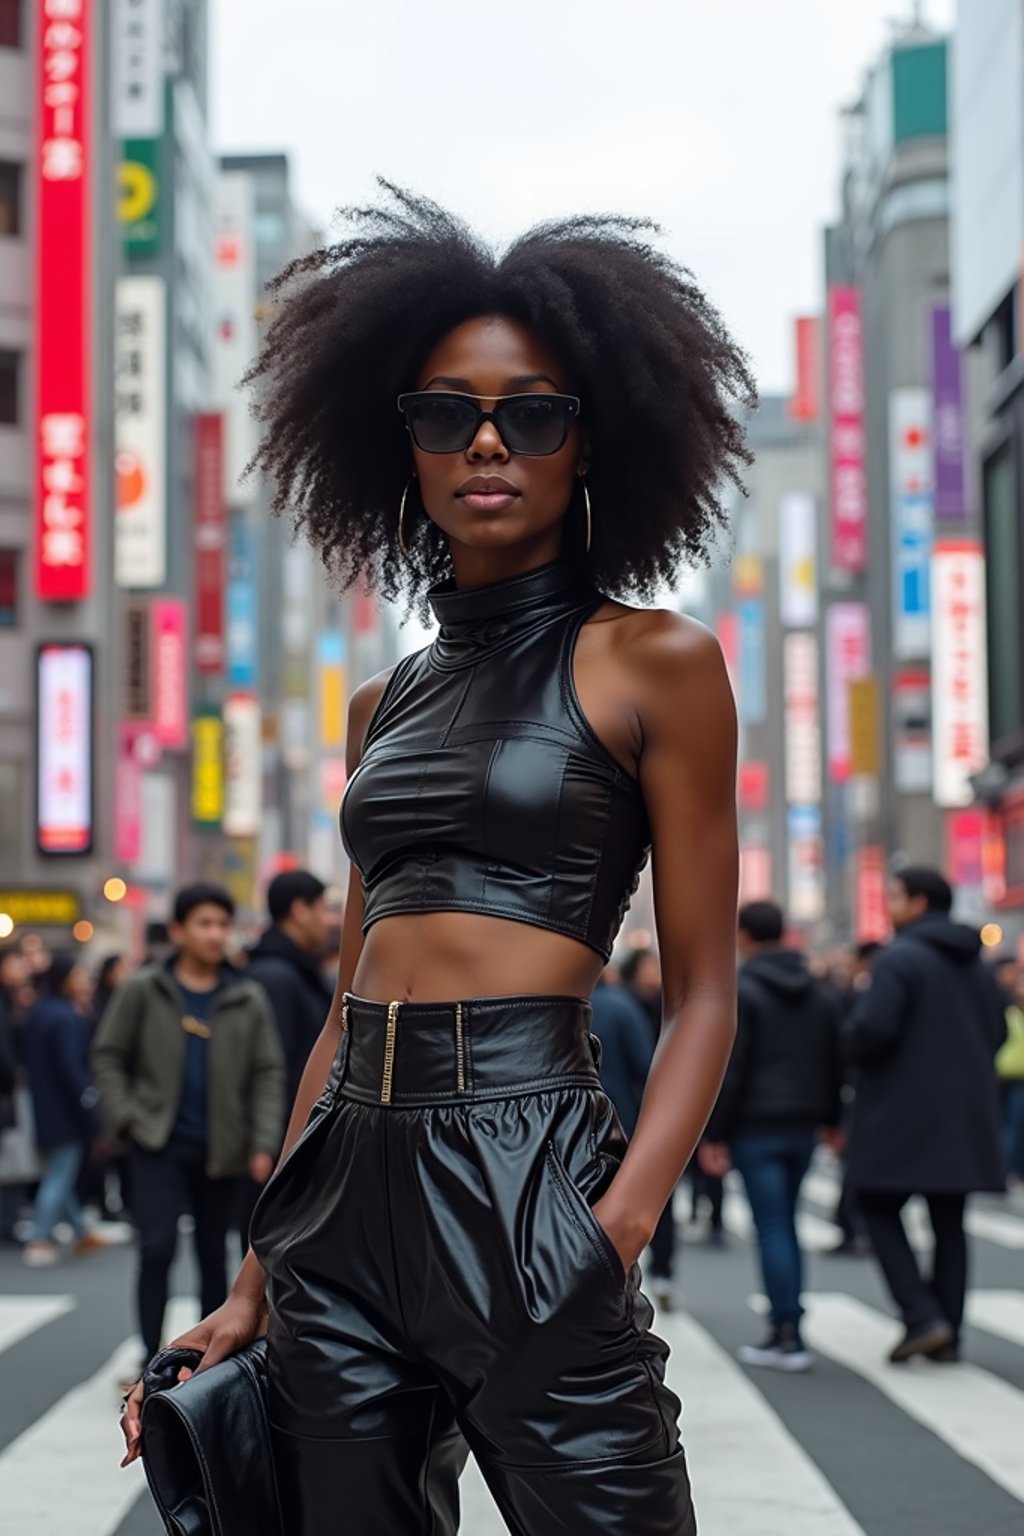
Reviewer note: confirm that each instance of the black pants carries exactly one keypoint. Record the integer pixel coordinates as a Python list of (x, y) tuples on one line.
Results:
[(437, 1279), (165, 1186), (921, 1301)]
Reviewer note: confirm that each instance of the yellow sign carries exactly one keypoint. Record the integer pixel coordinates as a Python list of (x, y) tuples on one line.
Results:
[(865, 748), (27, 908), (748, 576), (136, 191), (207, 770)]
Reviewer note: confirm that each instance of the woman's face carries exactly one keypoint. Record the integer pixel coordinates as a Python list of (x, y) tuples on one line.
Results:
[(484, 497), (77, 987)]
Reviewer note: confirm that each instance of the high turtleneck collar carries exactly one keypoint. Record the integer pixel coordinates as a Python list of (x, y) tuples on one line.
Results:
[(477, 620)]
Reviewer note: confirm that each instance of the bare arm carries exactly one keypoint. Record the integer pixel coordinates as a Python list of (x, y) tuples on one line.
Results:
[(688, 776)]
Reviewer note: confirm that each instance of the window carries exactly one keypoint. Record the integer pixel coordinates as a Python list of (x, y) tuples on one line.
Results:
[(1005, 323), (9, 370), (10, 23), (10, 196), (1002, 566), (8, 589)]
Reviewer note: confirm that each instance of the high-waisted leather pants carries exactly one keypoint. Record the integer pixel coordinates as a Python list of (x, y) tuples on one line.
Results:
[(437, 1278)]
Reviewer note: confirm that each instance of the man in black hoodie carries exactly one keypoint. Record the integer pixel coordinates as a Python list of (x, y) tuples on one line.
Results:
[(926, 1121), (286, 962), (781, 1088)]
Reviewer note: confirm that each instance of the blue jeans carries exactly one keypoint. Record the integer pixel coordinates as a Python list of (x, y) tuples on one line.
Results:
[(772, 1169), (56, 1197)]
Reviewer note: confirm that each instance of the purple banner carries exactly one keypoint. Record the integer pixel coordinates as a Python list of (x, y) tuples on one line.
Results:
[(947, 420)]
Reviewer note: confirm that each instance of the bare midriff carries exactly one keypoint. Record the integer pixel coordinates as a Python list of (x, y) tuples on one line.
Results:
[(430, 957)]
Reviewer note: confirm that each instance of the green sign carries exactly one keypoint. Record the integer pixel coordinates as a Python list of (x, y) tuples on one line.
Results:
[(138, 196)]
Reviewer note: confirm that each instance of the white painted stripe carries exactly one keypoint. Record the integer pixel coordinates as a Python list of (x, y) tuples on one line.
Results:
[(978, 1416), (61, 1477), (22, 1315), (816, 1235), (999, 1312), (1003, 1227), (750, 1475)]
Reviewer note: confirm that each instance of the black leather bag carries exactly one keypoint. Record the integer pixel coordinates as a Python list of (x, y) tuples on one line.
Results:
[(206, 1445)]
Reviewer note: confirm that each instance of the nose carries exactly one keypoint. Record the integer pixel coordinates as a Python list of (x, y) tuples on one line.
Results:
[(487, 446)]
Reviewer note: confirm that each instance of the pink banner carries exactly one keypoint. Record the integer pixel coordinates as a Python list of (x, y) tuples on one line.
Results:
[(127, 800), (848, 481), (847, 658), (170, 676)]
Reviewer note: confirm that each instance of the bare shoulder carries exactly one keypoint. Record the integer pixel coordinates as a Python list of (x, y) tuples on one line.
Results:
[(662, 647)]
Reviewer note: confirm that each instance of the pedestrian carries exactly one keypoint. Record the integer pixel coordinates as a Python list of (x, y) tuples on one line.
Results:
[(925, 1122), (781, 1092), (191, 1081), (627, 1050), (64, 1103), (641, 977), (12, 974), (1009, 978), (451, 1244), (285, 961), (103, 1177)]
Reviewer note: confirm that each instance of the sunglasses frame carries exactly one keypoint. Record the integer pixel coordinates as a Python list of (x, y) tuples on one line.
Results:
[(572, 415)]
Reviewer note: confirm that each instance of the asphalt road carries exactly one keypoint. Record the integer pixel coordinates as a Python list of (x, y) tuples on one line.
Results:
[(854, 1448)]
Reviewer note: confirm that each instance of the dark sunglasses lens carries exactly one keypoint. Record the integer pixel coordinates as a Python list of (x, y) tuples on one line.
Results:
[(534, 423), (440, 424)]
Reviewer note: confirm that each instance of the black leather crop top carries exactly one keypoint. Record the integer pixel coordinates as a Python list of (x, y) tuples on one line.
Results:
[(482, 788)]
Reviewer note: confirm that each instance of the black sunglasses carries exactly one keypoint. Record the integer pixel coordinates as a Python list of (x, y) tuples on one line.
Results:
[(533, 425)]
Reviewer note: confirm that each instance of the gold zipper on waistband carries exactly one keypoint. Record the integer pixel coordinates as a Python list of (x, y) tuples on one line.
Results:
[(460, 1057), (389, 1053)]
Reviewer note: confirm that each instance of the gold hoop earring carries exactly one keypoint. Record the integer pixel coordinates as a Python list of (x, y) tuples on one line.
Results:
[(586, 505), (401, 518)]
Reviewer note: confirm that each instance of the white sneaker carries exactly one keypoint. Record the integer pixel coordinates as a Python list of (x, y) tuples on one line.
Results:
[(40, 1255)]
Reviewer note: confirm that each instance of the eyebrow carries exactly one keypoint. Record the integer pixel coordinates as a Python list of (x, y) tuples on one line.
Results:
[(465, 385)]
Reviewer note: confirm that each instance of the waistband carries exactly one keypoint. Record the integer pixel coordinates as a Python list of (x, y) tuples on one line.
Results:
[(404, 1054)]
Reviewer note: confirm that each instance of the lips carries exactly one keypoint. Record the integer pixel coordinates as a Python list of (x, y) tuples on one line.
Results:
[(487, 493)]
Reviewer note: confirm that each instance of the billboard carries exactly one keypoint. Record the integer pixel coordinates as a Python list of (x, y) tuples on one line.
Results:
[(235, 339), (805, 401), (912, 732), (140, 427), (802, 719), (243, 607), (243, 765), (62, 417), (959, 670), (138, 197), (847, 474), (64, 749), (170, 673), (806, 850), (847, 658), (798, 579), (947, 420), (137, 85), (333, 688), (207, 769), (872, 907), (910, 504), (752, 700), (210, 536)]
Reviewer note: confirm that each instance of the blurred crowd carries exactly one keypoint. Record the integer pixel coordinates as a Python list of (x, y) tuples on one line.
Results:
[(138, 1095)]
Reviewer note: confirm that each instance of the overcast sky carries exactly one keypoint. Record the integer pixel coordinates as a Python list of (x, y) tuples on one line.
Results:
[(716, 117)]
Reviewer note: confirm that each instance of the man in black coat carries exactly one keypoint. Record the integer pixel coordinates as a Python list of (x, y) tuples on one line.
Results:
[(781, 1090), (923, 1039), (286, 962)]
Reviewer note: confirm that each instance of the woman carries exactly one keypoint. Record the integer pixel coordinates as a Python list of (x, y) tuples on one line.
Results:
[(451, 1246), (63, 1102)]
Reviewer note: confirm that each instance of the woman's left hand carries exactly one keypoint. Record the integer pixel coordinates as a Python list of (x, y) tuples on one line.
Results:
[(628, 1236)]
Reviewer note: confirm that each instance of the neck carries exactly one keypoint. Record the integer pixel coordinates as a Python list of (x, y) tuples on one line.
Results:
[(483, 567), (292, 931), (197, 974)]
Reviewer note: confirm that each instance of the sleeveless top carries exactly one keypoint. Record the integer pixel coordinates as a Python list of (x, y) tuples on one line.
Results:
[(482, 788)]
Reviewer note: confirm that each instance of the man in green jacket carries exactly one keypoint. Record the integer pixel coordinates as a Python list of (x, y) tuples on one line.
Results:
[(191, 1078)]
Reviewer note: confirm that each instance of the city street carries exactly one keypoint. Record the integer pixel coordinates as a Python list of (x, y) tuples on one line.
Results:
[(855, 1448)]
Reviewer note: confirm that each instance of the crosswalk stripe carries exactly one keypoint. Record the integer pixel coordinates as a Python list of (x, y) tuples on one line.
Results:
[(815, 1234), (728, 1425), (1005, 1228), (79, 1436), (978, 1416), (999, 1312), (22, 1315)]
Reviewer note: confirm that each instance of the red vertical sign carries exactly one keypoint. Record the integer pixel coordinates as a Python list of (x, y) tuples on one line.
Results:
[(805, 402), (872, 904), (848, 479), (62, 418), (170, 672), (210, 543)]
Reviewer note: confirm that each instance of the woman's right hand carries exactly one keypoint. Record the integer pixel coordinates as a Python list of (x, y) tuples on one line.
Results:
[(230, 1328)]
